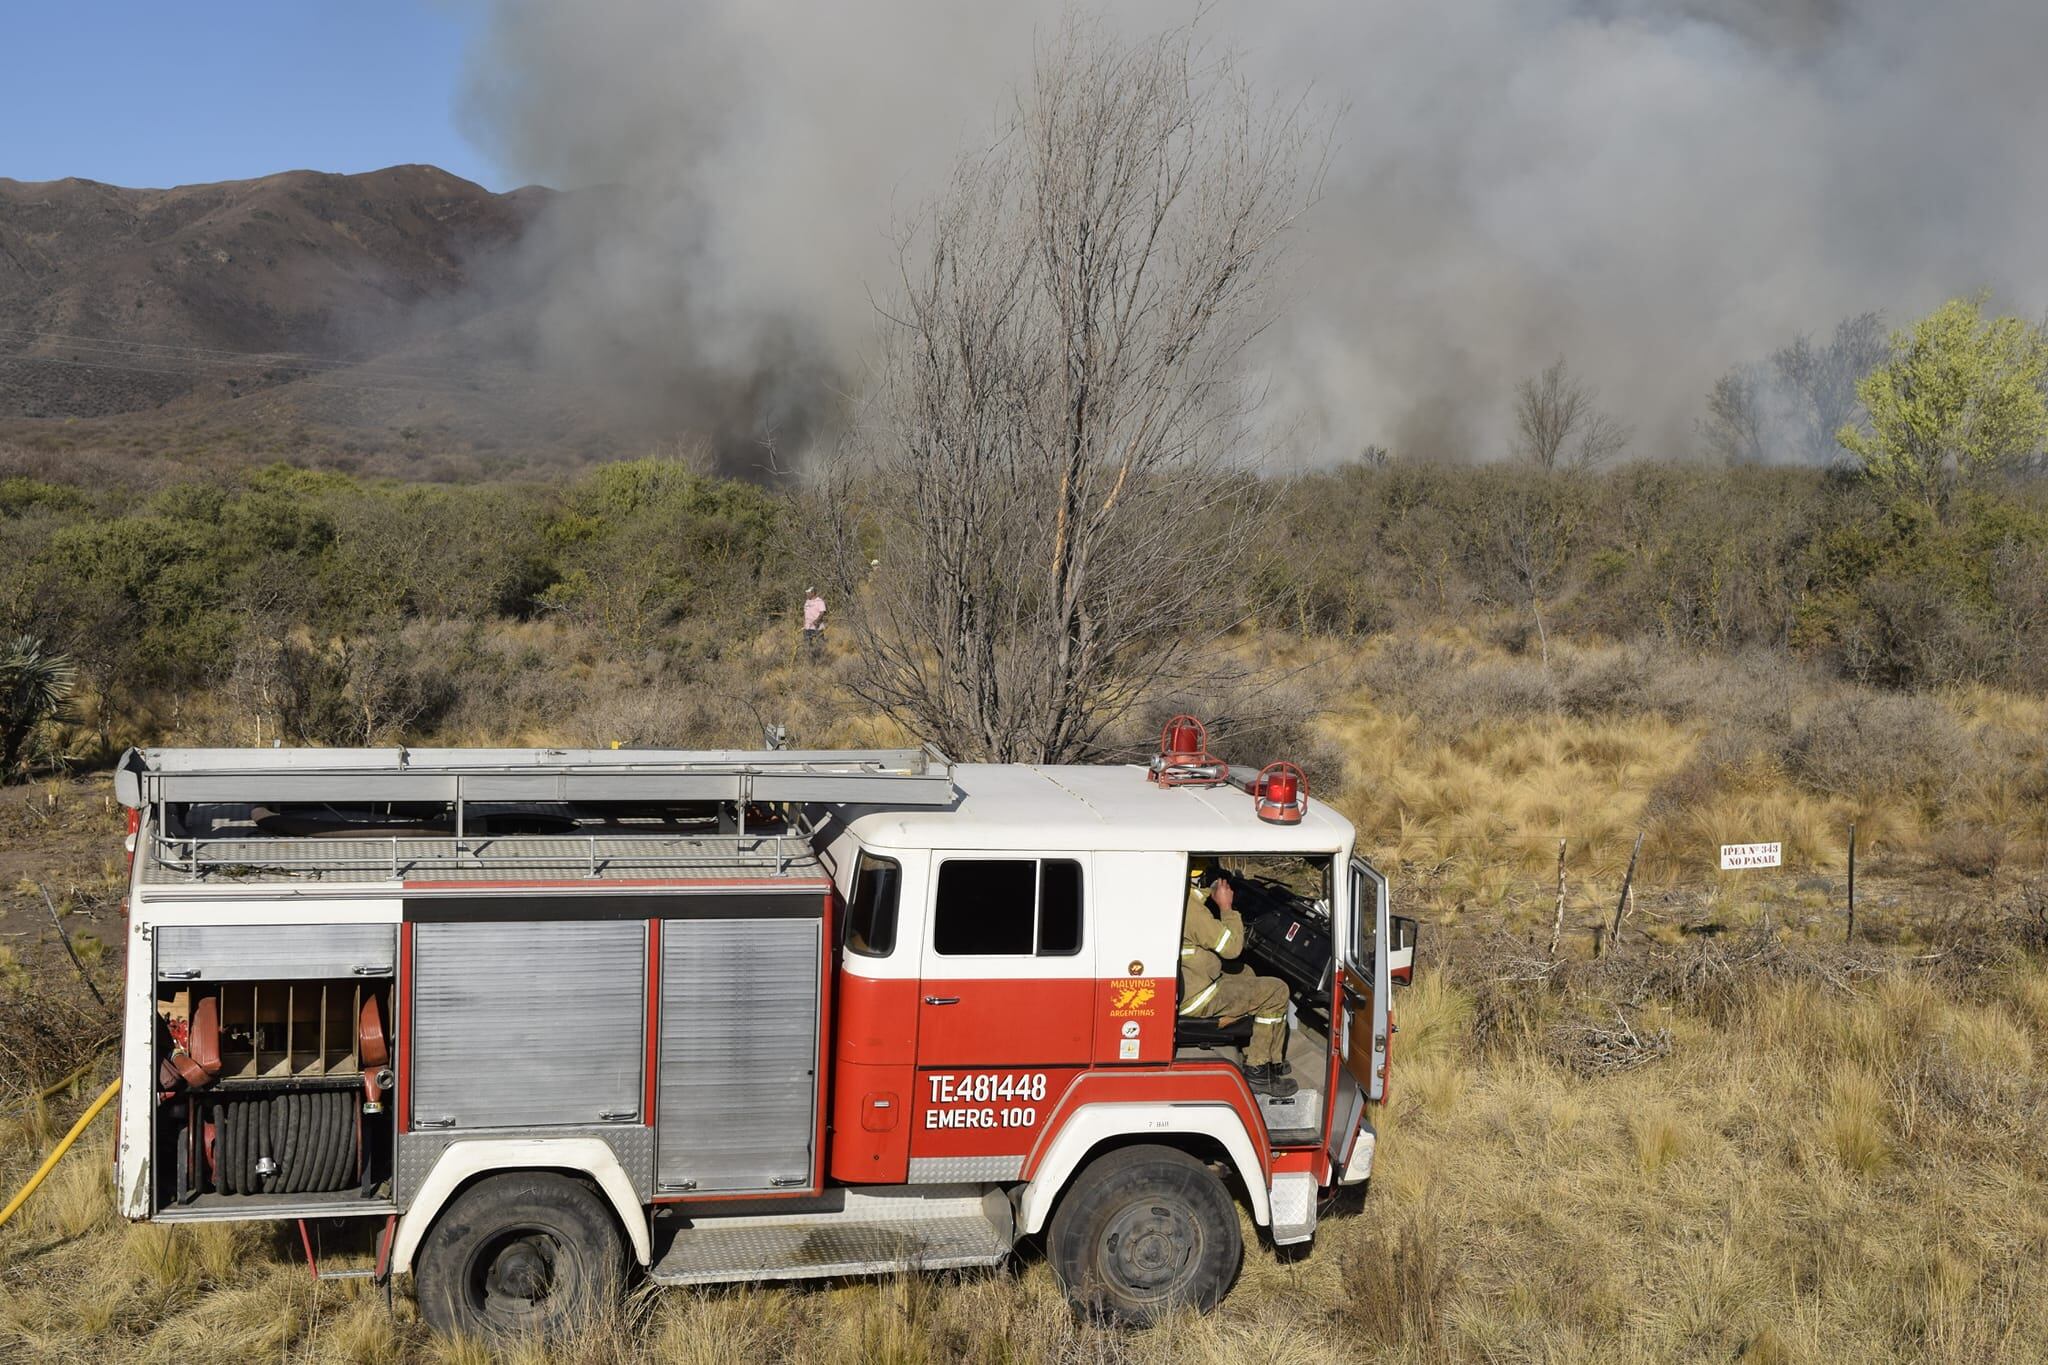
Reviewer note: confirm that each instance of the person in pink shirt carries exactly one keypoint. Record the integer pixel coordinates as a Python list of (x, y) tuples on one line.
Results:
[(814, 621)]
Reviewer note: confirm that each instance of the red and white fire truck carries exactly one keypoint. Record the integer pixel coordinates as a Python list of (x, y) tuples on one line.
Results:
[(546, 1015)]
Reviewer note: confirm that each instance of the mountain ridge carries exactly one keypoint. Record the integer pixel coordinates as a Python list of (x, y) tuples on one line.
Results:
[(96, 279)]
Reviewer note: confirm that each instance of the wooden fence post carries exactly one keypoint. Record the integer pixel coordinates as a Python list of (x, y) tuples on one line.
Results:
[(1850, 936), (1557, 924), (1628, 882)]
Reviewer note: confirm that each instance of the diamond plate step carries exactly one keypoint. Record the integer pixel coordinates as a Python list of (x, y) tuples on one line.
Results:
[(1294, 1207), (1290, 1119), (943, 1228)]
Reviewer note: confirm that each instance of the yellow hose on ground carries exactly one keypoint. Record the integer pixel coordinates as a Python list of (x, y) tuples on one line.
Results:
[(50, 1090), (50, 1162)]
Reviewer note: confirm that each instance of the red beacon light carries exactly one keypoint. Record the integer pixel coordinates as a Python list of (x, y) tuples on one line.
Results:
[(1184, 759), (1280, 794)]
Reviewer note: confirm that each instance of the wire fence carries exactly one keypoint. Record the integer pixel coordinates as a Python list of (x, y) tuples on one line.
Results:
[(1570, 877)]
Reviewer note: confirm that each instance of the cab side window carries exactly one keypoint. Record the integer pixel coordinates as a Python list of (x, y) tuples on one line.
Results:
[(1007, 907), (1059, 907), (871, 914)]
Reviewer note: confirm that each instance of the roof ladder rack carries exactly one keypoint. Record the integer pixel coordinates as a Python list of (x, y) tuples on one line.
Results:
[(472, 783), (887, 777)]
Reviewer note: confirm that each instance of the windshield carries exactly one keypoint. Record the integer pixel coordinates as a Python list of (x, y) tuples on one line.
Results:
[(1296, 877)]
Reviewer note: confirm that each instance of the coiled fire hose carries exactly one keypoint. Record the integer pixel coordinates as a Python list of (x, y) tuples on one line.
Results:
[(50, 1162)]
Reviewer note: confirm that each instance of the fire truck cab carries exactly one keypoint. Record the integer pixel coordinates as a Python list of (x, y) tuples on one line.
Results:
[(549, 1015)]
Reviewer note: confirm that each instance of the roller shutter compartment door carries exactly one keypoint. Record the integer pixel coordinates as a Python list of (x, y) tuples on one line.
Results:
[(739, 1054), (529, 1024), (274, 952)]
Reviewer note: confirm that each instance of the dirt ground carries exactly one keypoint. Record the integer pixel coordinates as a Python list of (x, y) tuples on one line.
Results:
[(61, 850)]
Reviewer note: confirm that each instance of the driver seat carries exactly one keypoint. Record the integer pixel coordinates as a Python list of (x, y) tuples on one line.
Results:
[(1189, 1032)]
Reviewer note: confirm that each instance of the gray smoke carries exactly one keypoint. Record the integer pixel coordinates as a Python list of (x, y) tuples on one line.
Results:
[(1654, 189)]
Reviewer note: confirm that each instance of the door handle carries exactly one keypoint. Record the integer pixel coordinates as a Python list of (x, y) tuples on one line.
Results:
[(372, 970), (179, 974), (447, 1121), (618, 1115), (942, 1000)]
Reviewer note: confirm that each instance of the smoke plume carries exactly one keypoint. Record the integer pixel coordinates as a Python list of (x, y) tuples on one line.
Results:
[(1654, 189)]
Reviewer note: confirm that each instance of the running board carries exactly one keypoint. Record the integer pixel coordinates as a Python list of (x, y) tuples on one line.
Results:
[(937, 1227)]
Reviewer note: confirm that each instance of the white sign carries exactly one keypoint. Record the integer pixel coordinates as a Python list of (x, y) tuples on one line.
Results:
[(1737, 856)]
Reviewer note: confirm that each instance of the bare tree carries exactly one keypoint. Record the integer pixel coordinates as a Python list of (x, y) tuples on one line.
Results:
[(1560, 424), (1735, 424), (1048, 467), (1820, 381), (1534, 530)]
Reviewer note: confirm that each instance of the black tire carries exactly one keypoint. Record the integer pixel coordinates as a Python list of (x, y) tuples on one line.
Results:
[(532, 1253), (1143, 1231)]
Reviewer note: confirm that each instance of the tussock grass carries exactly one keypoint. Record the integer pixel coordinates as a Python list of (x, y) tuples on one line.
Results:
[(1463, 767)]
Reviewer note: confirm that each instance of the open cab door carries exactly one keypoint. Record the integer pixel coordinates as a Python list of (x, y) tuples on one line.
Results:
[(1380, 955), (1368, 981)]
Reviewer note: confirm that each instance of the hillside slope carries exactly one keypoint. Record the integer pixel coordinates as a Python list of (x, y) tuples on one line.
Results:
[(114, 300)]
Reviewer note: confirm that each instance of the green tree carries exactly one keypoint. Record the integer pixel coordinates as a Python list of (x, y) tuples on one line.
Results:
[(640, 545), (35, 688), (1960, 398)]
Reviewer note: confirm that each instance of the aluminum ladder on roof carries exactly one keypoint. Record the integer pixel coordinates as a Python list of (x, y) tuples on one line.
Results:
[(460, 778), (889, 777)]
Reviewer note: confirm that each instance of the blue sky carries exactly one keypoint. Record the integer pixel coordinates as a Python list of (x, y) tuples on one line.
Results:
[(173, 92)]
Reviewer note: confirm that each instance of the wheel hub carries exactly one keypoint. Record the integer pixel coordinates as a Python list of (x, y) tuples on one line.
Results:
[(1149, 1247), (523, 1270)]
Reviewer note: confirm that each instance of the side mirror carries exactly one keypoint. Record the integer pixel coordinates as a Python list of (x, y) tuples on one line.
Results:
[(1401, 952)]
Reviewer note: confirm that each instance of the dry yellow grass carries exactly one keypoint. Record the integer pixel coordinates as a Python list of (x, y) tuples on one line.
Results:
[(1469, 818)]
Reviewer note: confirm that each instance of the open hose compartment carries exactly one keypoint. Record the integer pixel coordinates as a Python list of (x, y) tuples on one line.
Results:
[(273, 1096)]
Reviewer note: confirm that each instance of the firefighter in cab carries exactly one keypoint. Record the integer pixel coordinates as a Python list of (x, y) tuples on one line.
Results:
[(1212, 933)]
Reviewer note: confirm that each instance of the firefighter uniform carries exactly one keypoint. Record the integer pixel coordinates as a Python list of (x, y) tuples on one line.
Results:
[(1209, 937)]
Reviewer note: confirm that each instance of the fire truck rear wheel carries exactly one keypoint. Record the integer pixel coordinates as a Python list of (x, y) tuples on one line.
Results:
[(520, 1254), (1143, 1231)]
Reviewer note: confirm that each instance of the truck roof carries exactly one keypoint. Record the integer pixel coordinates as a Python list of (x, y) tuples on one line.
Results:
[(1093, 806)]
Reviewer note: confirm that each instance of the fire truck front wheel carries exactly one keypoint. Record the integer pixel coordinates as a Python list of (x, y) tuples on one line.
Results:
[(528, 1253), (1142, 1231)]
